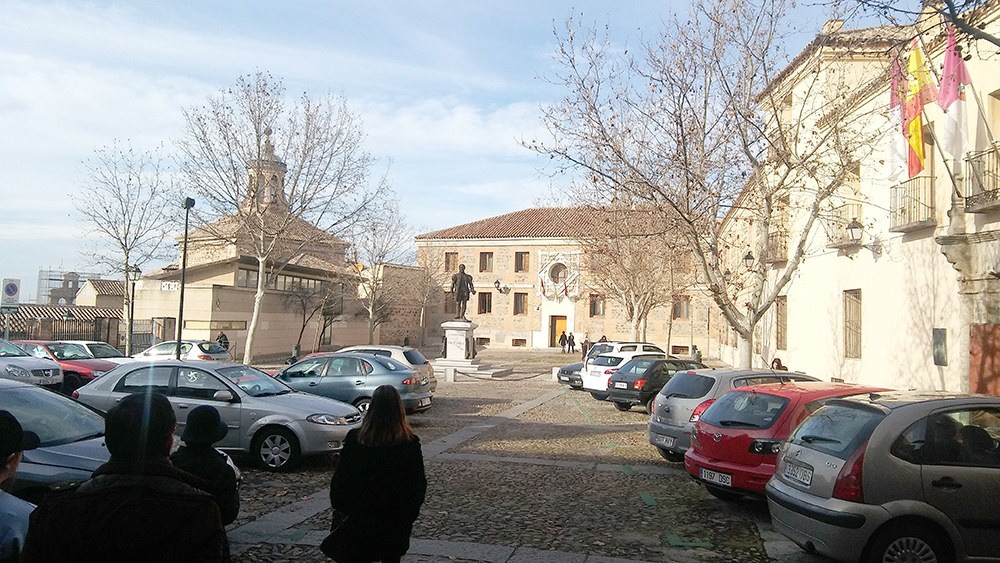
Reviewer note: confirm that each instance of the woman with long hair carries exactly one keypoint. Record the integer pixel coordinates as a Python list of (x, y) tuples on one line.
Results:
[(379, 483)]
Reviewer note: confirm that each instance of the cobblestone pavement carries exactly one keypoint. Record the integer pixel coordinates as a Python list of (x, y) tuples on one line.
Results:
[(521, 470)]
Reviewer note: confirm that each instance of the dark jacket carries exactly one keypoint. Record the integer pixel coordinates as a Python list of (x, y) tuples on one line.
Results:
[(152, 514), (206, 462), (380, 489)]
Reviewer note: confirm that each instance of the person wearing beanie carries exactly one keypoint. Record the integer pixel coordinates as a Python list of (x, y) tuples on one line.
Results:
[(14, 512), (197, 456)]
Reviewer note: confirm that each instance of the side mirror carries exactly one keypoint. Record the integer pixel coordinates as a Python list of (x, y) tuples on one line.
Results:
[(226, 396)]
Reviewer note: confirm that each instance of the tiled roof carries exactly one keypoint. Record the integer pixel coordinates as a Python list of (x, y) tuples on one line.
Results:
[(108, 287), (80, 312), (536, 222)]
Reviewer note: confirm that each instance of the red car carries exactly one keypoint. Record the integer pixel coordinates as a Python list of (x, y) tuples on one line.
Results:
[(735, 443), (78, 366)]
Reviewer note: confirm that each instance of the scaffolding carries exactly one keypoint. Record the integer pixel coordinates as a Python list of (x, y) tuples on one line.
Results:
[(58, 288)]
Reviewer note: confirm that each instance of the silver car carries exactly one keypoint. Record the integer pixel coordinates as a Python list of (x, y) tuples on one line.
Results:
[(409, 357), (688, 393), (17, 364), (266, 418), (896, 476), (102, 351), (190, 350)]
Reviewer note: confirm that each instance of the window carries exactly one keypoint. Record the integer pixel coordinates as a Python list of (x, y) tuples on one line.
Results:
[(781, 322), (520, 261), (519, 342), (246, 278), (197, 384), (334, 304), (485, 261), (451, 261), (150, 379), (596, 305), (682, 306), (558, 274), (485, 302), (852, 323), (520, 303), (482, 341)]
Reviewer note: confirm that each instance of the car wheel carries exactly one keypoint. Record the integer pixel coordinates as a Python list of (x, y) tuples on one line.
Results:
[(901, 543), (71, 382), (671, 456), (649, 405), (276, 449), (624, 407), (723, 494), (362, 405), (599, 396)]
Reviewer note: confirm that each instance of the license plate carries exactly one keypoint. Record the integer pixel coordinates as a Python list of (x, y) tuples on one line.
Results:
[(424, 402), (667, 441), (563, 378), (798, 473), (621, 385), (716, 477)]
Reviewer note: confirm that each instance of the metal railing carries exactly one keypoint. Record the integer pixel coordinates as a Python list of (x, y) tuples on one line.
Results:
[(983, 177), (911, 204), (839, 238), (777, 247)]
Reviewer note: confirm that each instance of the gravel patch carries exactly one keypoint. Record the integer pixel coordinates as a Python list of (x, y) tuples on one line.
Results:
[(576, 407)]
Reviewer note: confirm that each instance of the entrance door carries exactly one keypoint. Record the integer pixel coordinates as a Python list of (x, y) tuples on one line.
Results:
[(984, 360), (557, 325)]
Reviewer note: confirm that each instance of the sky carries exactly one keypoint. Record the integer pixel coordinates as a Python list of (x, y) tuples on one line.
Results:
[(444, 88)]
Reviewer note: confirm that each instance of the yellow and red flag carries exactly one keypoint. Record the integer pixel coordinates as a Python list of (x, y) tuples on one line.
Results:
[(920, 91)]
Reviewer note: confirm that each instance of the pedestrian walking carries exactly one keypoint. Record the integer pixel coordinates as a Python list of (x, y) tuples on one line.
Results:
[(197, 456), (571, 342), (378, 486), (562, 341), (14, 512), (137, 506), (585, 345)]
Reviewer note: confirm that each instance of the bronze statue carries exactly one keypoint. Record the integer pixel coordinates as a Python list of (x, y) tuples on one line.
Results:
[(462, 287)]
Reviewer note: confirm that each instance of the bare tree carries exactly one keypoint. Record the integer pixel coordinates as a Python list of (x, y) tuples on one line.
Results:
[(279, 212), (704, 125), (966, 15), (124, 200), (307, 302)]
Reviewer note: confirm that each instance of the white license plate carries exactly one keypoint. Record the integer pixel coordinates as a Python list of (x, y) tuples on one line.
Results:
[(798, 473), (621, 385), (716, 477), (424, 402), (666, 441), (563, 378)]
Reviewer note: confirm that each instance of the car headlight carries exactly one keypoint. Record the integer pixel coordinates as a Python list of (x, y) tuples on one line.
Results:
[(327, 419), (17, 371)]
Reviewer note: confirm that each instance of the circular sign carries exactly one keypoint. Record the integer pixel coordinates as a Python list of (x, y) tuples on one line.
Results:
[(10, 290)]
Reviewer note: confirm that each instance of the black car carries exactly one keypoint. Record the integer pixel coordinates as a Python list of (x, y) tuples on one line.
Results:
[(638, 381), (570, 375)]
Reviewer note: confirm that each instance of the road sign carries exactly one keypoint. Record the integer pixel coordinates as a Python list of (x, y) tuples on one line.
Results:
[(11, 295)]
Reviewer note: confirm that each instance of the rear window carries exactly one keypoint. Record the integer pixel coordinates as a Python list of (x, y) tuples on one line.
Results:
[(390, 364), (745, 409), (636, 367), (688, 385), (211, 348), (837, 429), (606, 361), (599, 349), (415, 357)]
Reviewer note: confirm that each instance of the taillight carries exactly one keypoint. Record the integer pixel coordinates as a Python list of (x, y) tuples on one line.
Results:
[(204, 357), (411, 381), (610, 371), (639, 383), (849, 482), (699, 410), (765, 447), (76, 394)]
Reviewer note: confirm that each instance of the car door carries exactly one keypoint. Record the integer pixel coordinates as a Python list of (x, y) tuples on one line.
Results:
[(144, 379), (960, 471), (196, 387), (345, 380), (305, 375)]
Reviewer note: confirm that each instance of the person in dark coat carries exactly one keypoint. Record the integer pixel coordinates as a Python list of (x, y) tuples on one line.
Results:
[(562, 341), (223, 340), (379, 483), (137, 506), (197, 456), (571, 342)]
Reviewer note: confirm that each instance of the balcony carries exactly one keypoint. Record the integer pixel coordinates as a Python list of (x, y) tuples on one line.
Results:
[(983, 174), (777, 247), (839, 238), (912, 205)]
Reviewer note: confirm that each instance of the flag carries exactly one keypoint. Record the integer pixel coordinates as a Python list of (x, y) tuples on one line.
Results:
[(896, 163), (954, 79), (565, 289), (920, 91), (543, 288)]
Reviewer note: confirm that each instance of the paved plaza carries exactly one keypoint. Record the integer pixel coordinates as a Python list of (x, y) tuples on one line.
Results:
[(522, 469)]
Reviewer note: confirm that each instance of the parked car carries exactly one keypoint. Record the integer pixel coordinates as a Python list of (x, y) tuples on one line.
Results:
[(71, 435), (638, 381), (102, 351), (598, 348), (266, 418), (688, 393), (899, 476), (17, 364), (570, 375), (77, 365), (601, 364), (190, 350), (735, 443), (409, 357), (353, 377)]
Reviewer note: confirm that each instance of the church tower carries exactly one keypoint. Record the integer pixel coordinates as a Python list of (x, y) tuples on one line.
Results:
[(266, 185)]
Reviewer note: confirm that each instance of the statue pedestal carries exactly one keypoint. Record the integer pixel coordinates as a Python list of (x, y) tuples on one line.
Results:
[(459, 354)]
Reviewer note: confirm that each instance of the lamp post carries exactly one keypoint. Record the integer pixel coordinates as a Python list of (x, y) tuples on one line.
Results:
[(748, 260), (134, 272), (186, 205)]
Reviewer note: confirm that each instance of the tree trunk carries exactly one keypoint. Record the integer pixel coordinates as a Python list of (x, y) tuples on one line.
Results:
[(371, 329), (746, 349), (258, 300)]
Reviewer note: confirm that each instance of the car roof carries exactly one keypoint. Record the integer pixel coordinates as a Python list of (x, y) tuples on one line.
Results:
[(375, 347), (186, 363), (14, 384), (891, 400), (810, 389)]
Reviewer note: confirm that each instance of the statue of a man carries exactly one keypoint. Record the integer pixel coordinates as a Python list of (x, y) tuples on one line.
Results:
[(462, 287)]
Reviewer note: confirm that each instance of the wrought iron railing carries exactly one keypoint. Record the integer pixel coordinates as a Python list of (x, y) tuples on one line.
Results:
[(983, 177), (839, 237), (777, 247), (912, 204)]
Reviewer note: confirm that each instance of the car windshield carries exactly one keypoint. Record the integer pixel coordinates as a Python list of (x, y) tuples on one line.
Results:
[(102, 350), (211, 348), (636, 367), (415, 357), (255, 382), (745, 409), (606, 361), (8, 349), (688, 385), (56, 419), (837, 429), (68, 352)]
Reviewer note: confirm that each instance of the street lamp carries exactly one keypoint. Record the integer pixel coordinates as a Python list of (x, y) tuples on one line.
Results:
[(854, 231), (134, 272), (748, 260), (186, 205)]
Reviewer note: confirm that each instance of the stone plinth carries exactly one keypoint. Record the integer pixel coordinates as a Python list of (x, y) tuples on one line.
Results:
[(460, 354)]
